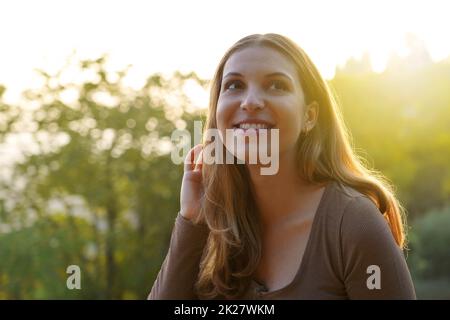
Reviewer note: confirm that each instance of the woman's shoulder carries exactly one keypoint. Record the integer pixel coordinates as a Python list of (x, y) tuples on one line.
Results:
[(355, 213), (359, 219)]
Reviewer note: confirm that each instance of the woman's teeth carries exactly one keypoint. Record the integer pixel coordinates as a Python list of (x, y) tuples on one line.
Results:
[(246, 126), (250, 128)]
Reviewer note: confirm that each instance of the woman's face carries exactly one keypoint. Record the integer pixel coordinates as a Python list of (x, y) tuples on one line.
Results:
[(260, 90)]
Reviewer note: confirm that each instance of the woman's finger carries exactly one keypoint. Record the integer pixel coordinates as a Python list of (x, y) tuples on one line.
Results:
[(191, 158), (199, 161)]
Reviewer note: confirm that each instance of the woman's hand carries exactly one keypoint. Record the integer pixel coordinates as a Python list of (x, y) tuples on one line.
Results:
[(192, 185)]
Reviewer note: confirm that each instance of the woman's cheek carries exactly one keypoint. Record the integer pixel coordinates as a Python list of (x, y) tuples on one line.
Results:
[(288, 136), (224, 113)]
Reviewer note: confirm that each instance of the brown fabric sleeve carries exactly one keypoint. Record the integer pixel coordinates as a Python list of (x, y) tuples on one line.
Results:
[(180, 268), (367, 241)]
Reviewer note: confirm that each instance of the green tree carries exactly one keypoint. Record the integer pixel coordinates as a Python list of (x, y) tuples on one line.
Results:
[(104, 158)]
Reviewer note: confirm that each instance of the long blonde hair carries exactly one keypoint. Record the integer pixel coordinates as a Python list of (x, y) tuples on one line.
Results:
[(325, 153)]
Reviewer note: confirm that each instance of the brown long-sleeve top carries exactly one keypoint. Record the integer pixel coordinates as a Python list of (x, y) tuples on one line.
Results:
[(350, 254)]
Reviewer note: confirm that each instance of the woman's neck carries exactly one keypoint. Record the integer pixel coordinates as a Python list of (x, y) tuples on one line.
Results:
[(279, 196)]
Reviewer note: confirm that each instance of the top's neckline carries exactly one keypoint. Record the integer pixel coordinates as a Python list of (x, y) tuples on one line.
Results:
[(262, 291)]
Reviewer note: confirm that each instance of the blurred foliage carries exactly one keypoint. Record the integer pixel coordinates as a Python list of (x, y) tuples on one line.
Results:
[(430, 261), (401, 123), (101, 159), (95, 185)]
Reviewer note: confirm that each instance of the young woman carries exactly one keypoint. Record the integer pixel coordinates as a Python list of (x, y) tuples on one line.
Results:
[(323, 227)]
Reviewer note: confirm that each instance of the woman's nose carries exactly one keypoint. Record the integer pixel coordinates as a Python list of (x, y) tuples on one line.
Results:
[(252, 100)]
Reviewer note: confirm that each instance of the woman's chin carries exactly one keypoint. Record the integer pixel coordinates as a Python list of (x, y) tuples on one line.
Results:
[(252, 154)]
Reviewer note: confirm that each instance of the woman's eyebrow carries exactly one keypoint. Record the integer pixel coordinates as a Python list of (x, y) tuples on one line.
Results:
[(282, 74), (230, 74), (273, 74)]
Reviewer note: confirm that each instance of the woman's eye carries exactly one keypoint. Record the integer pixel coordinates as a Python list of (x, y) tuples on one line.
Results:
[(278, 85), (233, 85)]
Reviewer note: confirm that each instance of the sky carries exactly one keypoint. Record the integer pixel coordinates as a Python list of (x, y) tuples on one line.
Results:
[(168, 35)]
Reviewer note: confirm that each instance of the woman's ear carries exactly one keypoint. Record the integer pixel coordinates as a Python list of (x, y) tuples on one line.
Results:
[(311, 116)]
